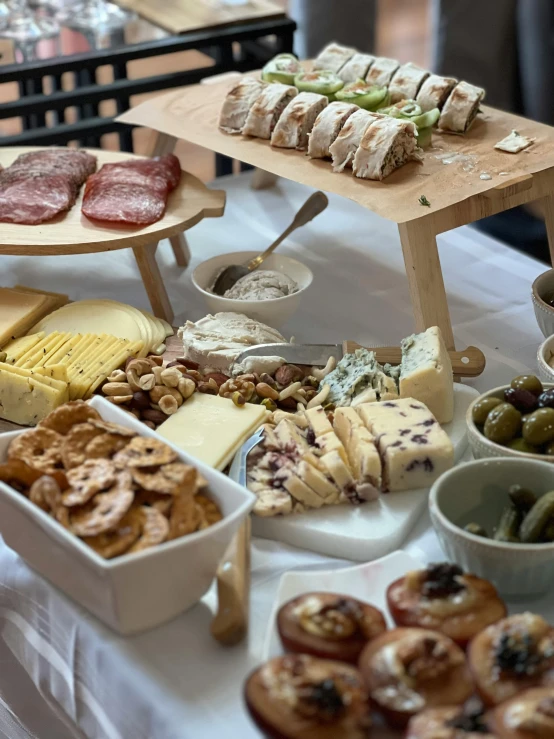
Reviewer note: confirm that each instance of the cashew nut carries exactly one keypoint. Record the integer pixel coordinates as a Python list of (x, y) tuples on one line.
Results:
[(320, 374), (321, 397)]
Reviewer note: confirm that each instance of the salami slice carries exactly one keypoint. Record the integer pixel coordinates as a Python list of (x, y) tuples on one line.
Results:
[(123, 203), (134, 192)]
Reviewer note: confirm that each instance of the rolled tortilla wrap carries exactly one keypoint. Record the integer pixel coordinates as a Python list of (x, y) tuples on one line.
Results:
[(296, 122), (381, 71), (406, 82), (345, 145), (356, 68), (334, 57), (386, 145), (327, 127), (461, 108), (238, 102), (267, 109), (434, 92)]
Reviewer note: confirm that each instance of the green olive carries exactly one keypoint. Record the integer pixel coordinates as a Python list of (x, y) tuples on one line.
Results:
[(503, 423), (520, 445), (482, 408), (528, 382), (539, 427)]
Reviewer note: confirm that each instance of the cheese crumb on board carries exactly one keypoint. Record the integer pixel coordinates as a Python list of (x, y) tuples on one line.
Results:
[(514, 143), (212, 428)]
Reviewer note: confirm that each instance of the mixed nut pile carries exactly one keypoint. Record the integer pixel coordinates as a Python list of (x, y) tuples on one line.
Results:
[(152, 390)]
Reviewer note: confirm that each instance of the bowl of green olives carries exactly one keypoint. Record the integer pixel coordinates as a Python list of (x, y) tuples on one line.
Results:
[(515, 420), (495, 518), (545, 360)]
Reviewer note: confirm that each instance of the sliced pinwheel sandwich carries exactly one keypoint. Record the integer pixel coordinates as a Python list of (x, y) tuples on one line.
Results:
[(344, 148), (356, 68), (434, 92), (461, 108), (386, 145), (267, 109), (334, 57), (327, 127), (297, 120), (238, 102), (406, 82), (381, 71)]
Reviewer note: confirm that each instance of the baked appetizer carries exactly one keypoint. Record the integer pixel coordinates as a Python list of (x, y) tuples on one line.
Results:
[(406, 82), (381, 71), (329, 626), (461, 108), (356, 68), (344, 148), (530, 715), (267, 109), (450, 722), (327, 127), (296, 122), (442, 598), (334, 57), (300, 697), (282, 68), (434, 92), (512, 655), (386, 145), (409, 670), (237, 104)]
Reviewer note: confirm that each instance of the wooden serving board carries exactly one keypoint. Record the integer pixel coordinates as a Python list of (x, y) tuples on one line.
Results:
[(73, 233), (180, 16), (192, 114)]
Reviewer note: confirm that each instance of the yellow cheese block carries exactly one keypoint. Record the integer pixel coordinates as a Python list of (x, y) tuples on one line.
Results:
[(212, 428), (39, 355), (21, 372), (25, 400), (36, 349), (18, 312), (56, 371), (64, 353), (18, 347), (93, 353), (111, 363), (58, 298), (90, 342)]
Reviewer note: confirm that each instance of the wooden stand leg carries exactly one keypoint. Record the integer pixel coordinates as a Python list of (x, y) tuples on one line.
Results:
[(262, 180), (153, 282), (548, 212), (423, 268), (180, 249), (162, 144)]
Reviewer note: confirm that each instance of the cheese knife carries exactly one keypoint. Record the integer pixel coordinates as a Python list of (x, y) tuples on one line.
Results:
[(468, 363)]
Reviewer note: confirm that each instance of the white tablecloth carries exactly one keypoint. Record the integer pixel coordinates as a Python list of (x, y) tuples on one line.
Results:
[(62, 674)]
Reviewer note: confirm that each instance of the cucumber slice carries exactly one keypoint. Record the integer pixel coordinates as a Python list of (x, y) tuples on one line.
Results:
[(282, 68), (321, 81), (409, 110), (424, 137), (367, 96)]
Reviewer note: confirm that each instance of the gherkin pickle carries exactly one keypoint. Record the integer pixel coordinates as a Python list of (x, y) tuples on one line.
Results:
[(538, 518), (476, 529), (539, 427), (482, 408), (508, 525), (520, 445), (503, 424), (523, 498), (528, 382), (548, 533)]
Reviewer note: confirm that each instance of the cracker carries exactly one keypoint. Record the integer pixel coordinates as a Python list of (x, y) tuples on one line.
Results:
[(18, 475), (112, 428), (105, 511), (94, 476), (106, 445), (184, 517), (154, 529), (143, 451), (117, 542), (40, 448), (162, 480), (75, 444), (209, 512), (162, 503), (62, 419)]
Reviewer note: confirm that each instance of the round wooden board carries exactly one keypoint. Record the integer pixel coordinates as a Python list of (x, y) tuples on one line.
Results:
[(73, 233)]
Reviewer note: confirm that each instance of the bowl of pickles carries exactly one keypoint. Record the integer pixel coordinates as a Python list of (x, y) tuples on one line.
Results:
[(515, 420), (495, 518)]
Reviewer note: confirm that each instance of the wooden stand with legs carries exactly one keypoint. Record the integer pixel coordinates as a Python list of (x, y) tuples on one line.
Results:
[(72, 233)]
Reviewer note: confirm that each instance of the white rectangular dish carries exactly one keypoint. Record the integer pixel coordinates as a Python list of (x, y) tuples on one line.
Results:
[(365, 532), (132, 592)]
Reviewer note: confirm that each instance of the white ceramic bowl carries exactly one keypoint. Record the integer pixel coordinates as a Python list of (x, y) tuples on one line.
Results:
[(543, 288), (478, 492), (272, 312), (546, 352), (133, 592), (483, 447)]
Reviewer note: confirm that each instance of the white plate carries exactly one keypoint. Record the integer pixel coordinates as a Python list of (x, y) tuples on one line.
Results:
[(366, 532), (367, 582)]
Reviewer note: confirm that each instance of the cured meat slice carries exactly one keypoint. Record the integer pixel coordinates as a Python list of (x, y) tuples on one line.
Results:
[(34, 199), (123, 203), (80, 164), (133, 192)]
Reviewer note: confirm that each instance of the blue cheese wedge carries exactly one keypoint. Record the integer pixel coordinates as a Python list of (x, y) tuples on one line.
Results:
[(414, 449), (426, 373), (358, 373)]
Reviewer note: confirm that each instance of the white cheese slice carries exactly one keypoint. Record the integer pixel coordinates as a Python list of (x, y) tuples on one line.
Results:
[(426, 373), (360, 446), (317, 418), (212, 428), (514, 143), (413, 447)]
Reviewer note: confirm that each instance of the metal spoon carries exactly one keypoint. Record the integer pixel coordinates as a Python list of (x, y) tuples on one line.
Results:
[(313, 206)]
